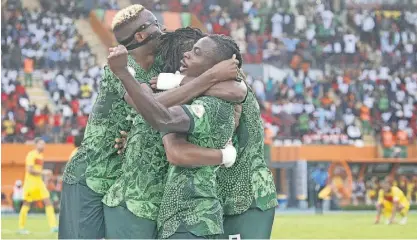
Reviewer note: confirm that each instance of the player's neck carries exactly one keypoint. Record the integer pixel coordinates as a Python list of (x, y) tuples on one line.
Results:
[(144, 56)]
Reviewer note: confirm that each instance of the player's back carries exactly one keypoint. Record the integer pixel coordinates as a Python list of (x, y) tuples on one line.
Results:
[(250, 175), (395, 194)]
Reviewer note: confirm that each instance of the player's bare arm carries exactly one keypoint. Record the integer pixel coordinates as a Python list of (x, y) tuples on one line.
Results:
[(161, 118), (230, 86), (183, 153), (222, 75), (231, 91)]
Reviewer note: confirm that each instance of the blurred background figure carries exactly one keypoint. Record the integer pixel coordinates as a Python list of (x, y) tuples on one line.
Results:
[(17, 196), (320, 178)]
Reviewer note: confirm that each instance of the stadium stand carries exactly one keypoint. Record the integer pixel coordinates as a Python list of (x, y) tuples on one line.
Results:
[(45, 46), (365, 92)]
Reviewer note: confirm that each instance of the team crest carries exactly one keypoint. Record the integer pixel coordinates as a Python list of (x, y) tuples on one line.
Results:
[(131, 71), (198, 110)]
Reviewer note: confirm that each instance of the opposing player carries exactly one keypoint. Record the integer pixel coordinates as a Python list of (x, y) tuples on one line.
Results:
[(390, 201), (34, 188), (190, 207)]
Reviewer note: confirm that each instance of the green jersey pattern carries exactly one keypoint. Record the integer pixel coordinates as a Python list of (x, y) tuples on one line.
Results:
[(190, 196), (144, 168), (249, 179), (97, 159)]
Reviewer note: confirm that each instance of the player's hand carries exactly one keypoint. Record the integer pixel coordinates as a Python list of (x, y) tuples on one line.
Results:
[(226, 70), (153, 82), (117, 59), (121, 142), (237, 113)]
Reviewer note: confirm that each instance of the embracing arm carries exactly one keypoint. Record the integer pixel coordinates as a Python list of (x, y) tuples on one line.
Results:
[(231, 91), (194, 88), (182, 153), (178, 96), (161, 118), (184, 94)]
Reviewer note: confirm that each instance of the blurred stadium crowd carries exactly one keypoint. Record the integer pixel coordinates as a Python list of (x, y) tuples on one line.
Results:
[(350, 77)]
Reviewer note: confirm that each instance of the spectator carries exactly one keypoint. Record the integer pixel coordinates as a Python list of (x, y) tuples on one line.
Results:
[(358, 191)]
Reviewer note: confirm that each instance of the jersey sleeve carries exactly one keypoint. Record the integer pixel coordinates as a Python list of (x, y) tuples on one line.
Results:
[(211, 121), (380, 196), (30, 159)]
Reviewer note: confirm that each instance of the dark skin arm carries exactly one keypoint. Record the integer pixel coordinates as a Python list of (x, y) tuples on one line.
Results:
[(161, 118), (180, 152), (173, 119), (230, 90)]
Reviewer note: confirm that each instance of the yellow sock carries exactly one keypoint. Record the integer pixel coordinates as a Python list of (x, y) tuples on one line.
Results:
[(50, 215), (23, 215)]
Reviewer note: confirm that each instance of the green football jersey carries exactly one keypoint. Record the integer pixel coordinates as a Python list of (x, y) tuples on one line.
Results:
[(190, 197), (144, 168), (97, 159), (248, 182)]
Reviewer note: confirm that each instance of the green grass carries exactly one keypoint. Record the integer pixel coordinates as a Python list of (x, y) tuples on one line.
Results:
[(340, 225)]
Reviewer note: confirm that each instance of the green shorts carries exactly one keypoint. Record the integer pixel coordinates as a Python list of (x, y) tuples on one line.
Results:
[(122, 224), (182, 233), (252, 224), (81, 212)]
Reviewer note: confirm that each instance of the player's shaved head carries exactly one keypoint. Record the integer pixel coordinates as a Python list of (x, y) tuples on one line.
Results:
[(134, 22)]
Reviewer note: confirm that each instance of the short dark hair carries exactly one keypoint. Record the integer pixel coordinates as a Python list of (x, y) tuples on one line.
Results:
[(173, 45), (226, 47)]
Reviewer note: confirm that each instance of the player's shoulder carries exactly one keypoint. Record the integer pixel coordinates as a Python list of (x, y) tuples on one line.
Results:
[(32, 152), (395, 189)]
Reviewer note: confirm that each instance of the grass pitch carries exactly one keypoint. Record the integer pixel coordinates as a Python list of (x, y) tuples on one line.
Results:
[(307, 226)]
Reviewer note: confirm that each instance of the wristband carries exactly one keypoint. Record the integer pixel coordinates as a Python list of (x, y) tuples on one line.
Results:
[(168, 81), (228, 155)]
